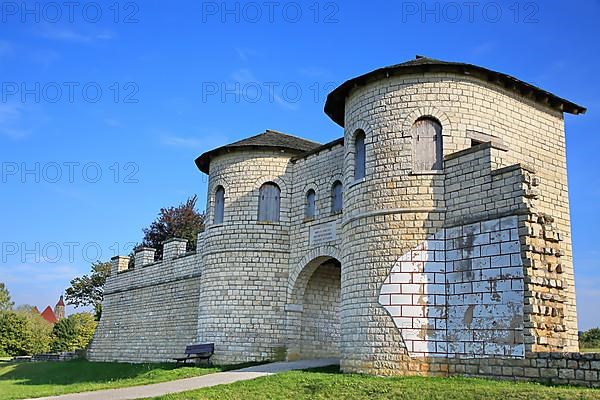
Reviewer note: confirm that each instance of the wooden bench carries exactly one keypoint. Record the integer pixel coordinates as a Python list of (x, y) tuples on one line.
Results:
[(201, 351)]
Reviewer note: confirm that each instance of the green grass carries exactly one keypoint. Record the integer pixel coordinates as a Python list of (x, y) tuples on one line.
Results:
[(591, 350), (328, 383), (23, 380)]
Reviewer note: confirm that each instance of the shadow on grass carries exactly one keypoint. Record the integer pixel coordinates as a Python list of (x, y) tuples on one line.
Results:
[(330, 369), (77, 371), (85, 372)]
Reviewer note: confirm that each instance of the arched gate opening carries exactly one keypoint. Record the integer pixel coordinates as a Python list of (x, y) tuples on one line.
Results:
[(313, 317)]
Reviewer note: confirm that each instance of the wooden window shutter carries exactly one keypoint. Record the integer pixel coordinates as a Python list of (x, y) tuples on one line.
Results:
[(427, 145), (269, 203)]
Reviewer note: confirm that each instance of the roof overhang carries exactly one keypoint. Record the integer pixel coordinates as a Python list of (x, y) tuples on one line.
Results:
[(336, 100)]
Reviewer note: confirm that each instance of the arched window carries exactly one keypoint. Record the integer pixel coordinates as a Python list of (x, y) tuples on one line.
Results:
[(268, 202), (359, 155), (310, 204), (336, 197), (427, 145), (219, 205)]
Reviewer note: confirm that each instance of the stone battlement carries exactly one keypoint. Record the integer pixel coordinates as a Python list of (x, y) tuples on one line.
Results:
[(138, 320)]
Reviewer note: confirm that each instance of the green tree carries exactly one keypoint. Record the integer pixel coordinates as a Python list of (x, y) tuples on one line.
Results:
[(88, 290), (183, 221), (63, 335), (14, 334), (590, 339), (5, 303), (85, 326), (38, 330), (73, 333)]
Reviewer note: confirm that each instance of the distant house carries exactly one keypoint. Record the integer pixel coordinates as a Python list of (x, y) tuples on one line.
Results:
[(53, 316)]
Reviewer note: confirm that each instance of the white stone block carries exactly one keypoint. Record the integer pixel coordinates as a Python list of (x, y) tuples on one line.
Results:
[(482, 238), (411, 334), (490, 226), (510, 247), (500, 236), (400, 299), (413, 311), (517, 285), (500, 261), (401, 277), (395, 311), (452, 233), (454, 255), (512, 272), (412, 288), (481, 263), (385, 299), (402, 323), (515, 260), (509, 222), (462, 288), (490, 250), (390, 288), (411, 266)]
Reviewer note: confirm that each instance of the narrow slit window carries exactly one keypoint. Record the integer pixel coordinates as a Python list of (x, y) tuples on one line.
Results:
[(336, 197), (359, 155), (310, 204), (219, 205)]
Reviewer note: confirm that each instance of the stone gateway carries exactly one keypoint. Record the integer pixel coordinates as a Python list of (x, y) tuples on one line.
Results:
[(433, 239)]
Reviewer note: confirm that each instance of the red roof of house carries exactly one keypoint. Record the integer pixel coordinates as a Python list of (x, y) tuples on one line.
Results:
[(48, 315)]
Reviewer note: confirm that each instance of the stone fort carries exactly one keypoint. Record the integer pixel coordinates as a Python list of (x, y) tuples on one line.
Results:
[(433, 238)]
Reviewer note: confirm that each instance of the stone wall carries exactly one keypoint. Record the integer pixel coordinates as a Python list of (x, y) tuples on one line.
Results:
[(461, 291), (579, 369), (149, 313)]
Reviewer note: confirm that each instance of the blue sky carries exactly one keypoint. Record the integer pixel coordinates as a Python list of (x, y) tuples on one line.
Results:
[(105, 106)]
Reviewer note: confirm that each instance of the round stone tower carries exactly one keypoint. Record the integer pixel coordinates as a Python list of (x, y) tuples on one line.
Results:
[(411, 115), (246, 246), (395, 207)]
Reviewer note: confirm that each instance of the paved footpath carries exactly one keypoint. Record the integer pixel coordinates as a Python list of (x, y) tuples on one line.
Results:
[(182, 385)]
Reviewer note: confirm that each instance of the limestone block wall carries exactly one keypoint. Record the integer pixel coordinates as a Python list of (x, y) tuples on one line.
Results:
[(485, 289), (317, 172), (149, 313), (395, 209), (461, 292), (243, 285), (315, 241)]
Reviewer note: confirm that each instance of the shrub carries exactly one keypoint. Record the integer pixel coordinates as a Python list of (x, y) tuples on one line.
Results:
[(590, 339)]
